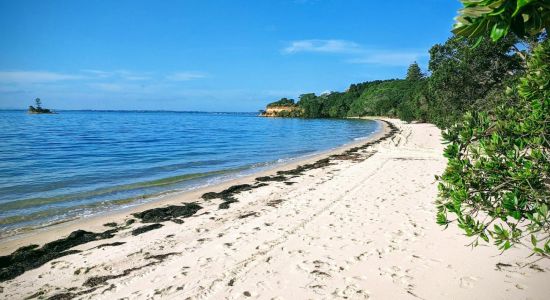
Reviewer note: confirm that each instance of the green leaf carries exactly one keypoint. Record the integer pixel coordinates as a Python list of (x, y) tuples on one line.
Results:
[(499, 30), (484, 236), (533, 240), (543, 210), (479, 40), (442, 218), (519, 5)]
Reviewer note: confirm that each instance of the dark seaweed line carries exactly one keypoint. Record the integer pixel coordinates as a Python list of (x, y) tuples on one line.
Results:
[(228, 195), (94, 282), (31, 257)]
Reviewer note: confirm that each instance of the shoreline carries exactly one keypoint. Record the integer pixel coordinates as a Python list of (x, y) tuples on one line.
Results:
[(358, 224), (95, 222)]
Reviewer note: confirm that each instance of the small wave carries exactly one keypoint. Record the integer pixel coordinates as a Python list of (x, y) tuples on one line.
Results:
[(41, 201), (362, 138), (21, 223)]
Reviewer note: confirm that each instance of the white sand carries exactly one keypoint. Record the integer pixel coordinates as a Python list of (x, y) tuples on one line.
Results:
[(351, 230)]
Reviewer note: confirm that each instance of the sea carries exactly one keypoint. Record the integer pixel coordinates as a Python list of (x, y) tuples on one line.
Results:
[(59, 167)]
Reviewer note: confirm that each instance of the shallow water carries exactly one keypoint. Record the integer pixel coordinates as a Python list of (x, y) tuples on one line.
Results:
[(55, 167)]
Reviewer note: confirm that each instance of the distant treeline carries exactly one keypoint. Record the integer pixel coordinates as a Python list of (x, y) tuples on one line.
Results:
[(460, 78)]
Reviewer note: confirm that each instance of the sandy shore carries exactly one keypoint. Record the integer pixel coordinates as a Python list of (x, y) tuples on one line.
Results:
[(43, 235), (356, 226)]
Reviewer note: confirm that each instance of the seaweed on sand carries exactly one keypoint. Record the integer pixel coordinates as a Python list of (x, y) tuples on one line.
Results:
[(99, 280), (225, 204), (168, 213), (250, 214), (31, 257), (228, 195), (94, 282), (162, 257), (70, 295), (110, 245), (271, 178), (146, 228), (299, 170)]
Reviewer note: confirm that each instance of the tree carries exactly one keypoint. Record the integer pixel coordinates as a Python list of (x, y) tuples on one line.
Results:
[(282, 102), (462, 76), (497, 181), (498, 176), (414, 73), (310, 105), (522, 17)]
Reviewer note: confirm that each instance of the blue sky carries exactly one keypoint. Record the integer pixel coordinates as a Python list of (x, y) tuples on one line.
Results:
[(206, 55)]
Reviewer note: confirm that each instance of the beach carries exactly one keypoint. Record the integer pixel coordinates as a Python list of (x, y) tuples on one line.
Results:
[(85, 163), (354, 223)]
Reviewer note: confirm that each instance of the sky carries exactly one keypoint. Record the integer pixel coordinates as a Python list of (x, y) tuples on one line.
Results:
[(198, 55)]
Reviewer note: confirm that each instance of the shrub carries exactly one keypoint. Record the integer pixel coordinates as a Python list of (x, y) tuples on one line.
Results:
[(496, 183)]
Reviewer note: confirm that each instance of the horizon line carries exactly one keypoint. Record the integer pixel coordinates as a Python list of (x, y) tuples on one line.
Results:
[(137, 110)]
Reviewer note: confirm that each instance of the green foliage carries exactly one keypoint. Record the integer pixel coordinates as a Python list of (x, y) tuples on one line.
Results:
[(463, 77), (497, 180), (414, 73), (415, 106), (331, 105), (282, 102), (295, 113), (522, 17), (311, 105), (381, 97)]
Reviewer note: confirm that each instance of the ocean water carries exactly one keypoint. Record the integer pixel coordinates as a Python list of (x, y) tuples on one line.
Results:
[(59, 167)]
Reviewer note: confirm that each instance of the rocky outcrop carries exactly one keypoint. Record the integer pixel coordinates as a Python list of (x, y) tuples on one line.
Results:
[(281, 111), (39, 110)]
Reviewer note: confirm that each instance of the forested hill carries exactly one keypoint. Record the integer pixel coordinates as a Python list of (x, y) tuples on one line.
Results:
[(460, 78)]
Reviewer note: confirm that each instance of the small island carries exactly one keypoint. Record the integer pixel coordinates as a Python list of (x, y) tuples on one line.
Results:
[(38, 109)]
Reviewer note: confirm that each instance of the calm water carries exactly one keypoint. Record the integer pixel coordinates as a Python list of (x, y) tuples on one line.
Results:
[(56, 167)]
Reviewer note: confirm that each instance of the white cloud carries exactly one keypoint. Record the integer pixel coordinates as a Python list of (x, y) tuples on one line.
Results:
[(99, 73), (123, 74), (388, 58), (358, 54), (326, 46), (185, 76), (19, 77), (34, 76)]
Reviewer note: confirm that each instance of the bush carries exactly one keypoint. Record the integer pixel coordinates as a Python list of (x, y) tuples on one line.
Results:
[(496, 183)]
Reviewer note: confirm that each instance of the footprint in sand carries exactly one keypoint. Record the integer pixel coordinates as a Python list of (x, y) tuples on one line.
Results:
[(468, 282), (351, 292), (363, 256), (520, 286)]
